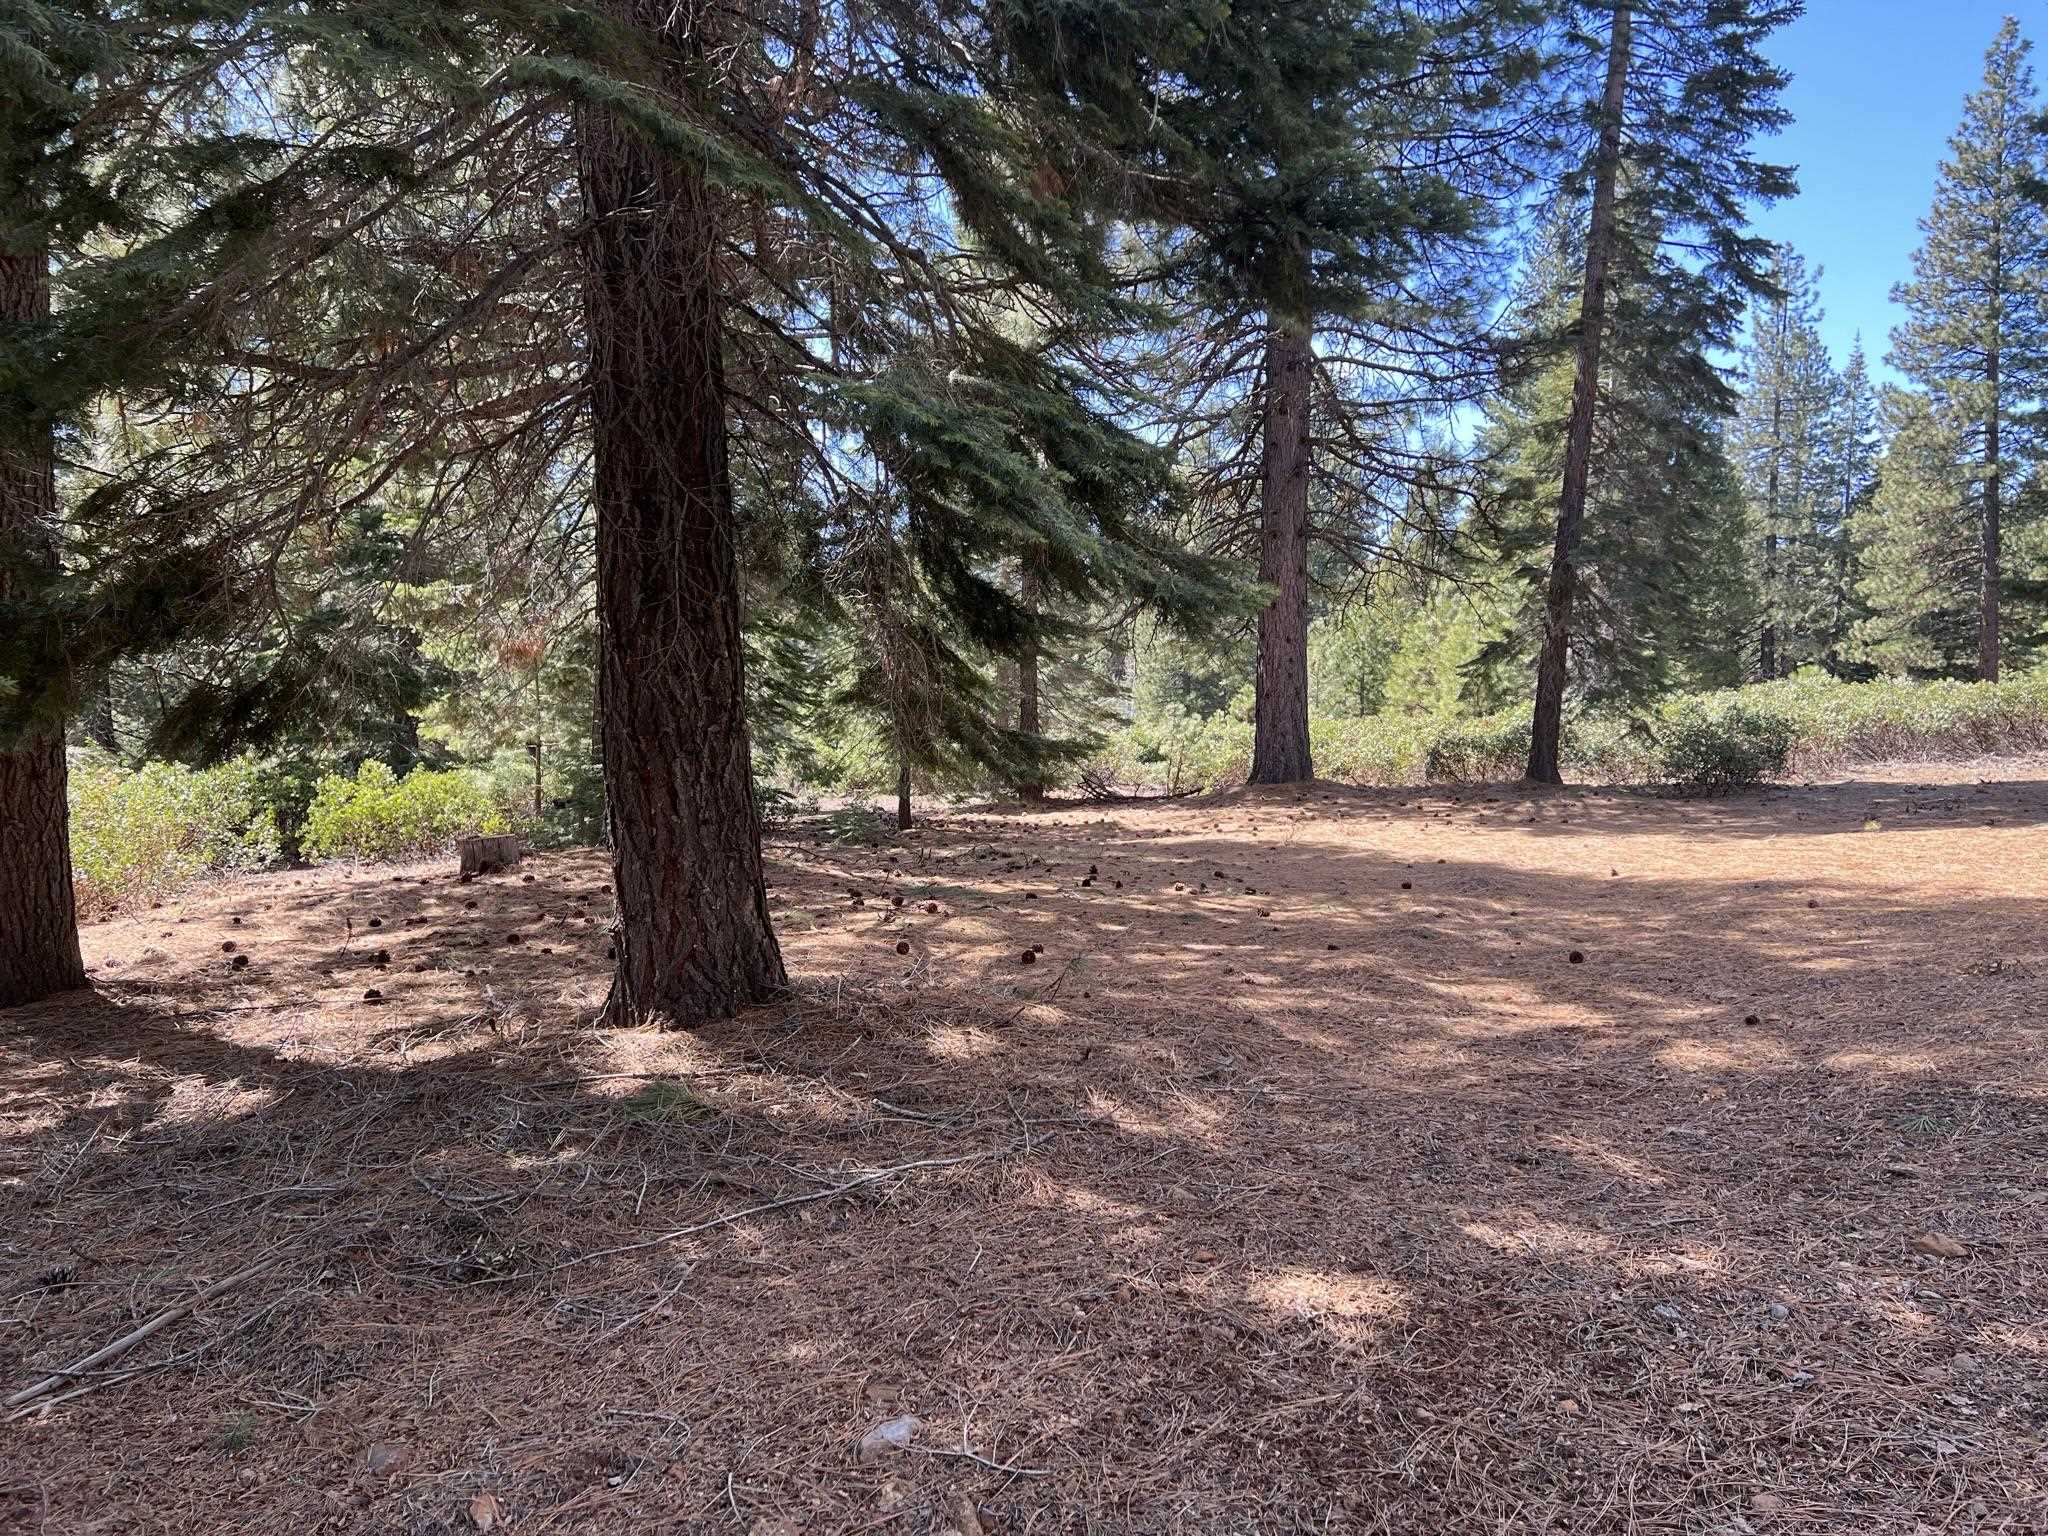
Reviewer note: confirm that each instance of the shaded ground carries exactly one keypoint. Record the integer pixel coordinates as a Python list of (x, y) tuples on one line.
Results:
[(1302, 1182)]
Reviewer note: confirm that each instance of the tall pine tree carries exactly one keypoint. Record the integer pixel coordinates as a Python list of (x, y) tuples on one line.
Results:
[(1780, 441), (1677, 92), (1315, 185), (1975, 338)]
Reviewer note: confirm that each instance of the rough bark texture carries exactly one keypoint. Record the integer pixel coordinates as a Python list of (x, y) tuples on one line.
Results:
[(1030, 789), (694, 940), (903, 795), (487, 854), (38, 918), (1988, 584), (1280, 749), (1547, 724)]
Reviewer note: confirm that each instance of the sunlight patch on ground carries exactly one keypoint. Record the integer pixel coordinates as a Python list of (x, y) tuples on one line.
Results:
[(1327, 1294), (960, 1042), (1192, 1121), (1546, 1239), (1752, 1055)]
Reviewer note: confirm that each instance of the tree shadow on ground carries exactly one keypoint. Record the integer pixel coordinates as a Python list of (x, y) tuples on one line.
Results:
[(1308, 1201)]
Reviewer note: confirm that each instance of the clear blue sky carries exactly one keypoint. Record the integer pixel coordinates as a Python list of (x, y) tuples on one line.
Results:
[(1877, 88)]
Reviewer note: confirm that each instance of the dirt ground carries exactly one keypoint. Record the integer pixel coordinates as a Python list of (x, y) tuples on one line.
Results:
[(1476, 1161)]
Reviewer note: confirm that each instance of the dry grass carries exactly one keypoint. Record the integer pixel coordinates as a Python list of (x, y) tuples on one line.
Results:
[(1303, 1202)]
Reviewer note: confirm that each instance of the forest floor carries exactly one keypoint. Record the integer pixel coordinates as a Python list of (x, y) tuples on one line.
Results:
[(1302, 1182)]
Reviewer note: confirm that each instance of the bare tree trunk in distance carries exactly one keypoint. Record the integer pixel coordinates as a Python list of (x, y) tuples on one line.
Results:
[(1988, 583), (39, 952), (902, 794), (1547, 723), (1280, 746), (1767, 644), (99, 721), (694, 940), (1031, 791)]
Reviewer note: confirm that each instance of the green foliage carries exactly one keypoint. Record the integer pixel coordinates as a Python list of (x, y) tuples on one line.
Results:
[(1811, 723), (1712, 751), (377, 815), (1795, 444), (1834, 723), (140, 836), (1975, 341)]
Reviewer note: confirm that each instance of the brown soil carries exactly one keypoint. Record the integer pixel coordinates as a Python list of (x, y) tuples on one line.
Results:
[(1351, 1204)]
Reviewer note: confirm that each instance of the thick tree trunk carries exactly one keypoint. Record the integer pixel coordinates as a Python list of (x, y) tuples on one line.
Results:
[(38, 916), (1280, 748), (694, 940), (1547, 721), (1030, 789), (1988, 582)]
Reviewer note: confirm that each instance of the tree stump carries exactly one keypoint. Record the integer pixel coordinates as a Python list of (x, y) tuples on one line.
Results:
[(481, 855)]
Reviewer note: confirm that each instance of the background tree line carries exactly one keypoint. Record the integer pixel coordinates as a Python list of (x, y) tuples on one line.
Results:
[(672, 403)]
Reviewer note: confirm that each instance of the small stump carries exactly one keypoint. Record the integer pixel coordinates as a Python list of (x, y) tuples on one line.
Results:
[(481, 855)]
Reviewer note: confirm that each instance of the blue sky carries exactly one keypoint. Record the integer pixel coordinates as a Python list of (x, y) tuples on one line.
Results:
[(1877, 89)]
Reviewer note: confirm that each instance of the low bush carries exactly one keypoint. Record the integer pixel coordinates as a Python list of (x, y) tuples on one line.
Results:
[(1889, 721), (142, 835), (377, 815), (1709, 751)]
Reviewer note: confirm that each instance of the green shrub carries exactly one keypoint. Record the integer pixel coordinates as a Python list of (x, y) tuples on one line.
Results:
[(1712, 751), (1178, 754), (1378, 749), (142, 835), (1494, 748), (377, 815), (1835, 723)]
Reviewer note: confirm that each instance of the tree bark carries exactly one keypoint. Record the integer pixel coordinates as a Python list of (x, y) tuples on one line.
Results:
[(903, 794), (1988, 575), (694, 940), (1280, 746), (1547, 722), (39, 952), (1031, 790)]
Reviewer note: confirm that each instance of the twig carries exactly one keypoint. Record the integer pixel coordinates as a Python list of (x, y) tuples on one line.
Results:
[(809, 1197), (980, 1460), (135, 1336)]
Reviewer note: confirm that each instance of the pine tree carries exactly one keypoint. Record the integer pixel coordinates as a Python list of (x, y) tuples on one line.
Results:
[(1682, 92), (82, 92), (1315, 186), (1916, 548), (1779, 438), (1853, 444), (1976, 331), (1662, 588)]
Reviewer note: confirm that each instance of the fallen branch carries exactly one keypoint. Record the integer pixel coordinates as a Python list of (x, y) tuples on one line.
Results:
[(134, 1336), (809, 1197)]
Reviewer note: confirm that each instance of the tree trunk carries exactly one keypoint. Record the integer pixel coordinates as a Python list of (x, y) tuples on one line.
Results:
[(694, 940), (38, 916), (1767, 643), (99, 721), (903, 794), (1030, 789), (1280, 748), (1547, 722), (1988, 584)]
